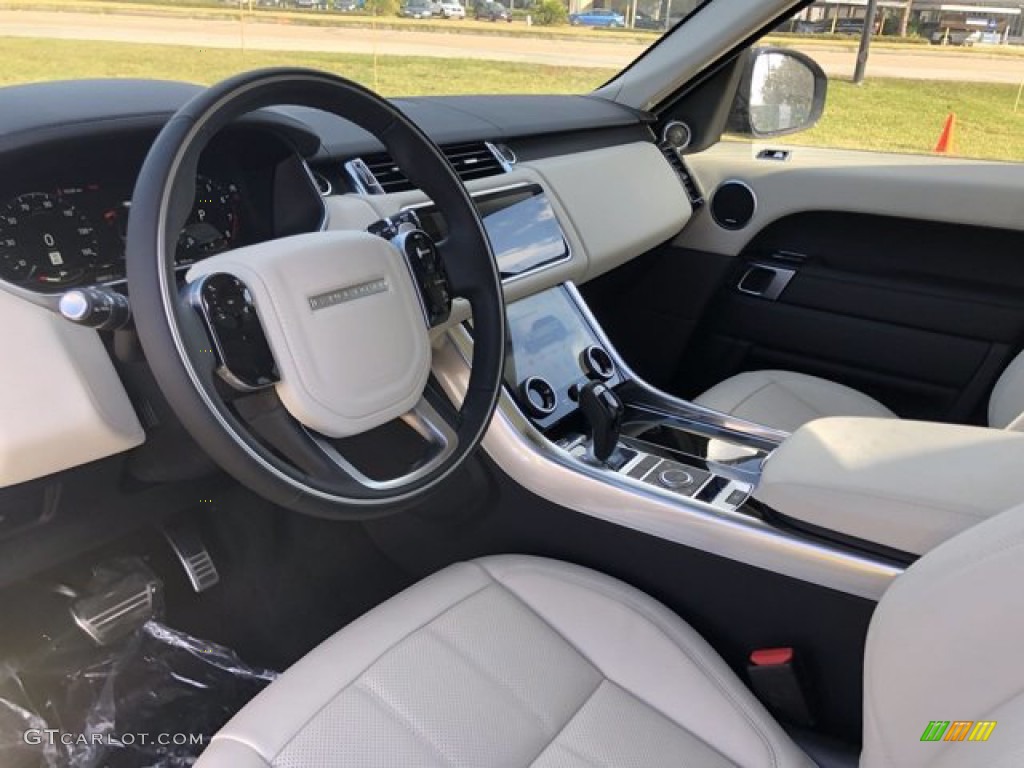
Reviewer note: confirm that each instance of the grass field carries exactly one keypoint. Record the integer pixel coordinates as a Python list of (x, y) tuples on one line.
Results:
[(29, 60), (907, 116), (882, 115)]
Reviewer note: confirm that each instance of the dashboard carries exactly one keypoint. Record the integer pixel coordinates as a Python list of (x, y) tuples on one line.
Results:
[(87, 439), (63, 223)]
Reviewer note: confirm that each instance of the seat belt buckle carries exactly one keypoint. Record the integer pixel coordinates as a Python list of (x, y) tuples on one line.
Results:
[(776, 681)]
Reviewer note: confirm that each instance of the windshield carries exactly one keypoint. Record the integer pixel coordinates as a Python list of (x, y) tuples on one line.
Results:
[(397, 47)]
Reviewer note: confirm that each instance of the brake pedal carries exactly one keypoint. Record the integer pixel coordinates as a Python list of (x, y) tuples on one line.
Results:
[(120, 601), (193, 555)]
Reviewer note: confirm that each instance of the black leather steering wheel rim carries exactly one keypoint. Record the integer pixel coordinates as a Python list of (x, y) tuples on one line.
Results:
[(169, 330)]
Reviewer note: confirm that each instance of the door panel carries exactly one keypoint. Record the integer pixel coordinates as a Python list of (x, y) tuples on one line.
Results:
[(922, 312)]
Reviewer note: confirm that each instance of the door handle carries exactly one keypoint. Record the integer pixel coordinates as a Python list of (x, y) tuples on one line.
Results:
[(765, 281)]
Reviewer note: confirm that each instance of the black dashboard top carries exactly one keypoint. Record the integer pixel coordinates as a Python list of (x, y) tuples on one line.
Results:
[(36, 113), (72, 149)]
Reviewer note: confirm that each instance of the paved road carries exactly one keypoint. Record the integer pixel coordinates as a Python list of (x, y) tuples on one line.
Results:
[(934, 64)]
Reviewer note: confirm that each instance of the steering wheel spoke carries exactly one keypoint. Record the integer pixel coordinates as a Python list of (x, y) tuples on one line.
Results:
[(429, 437)]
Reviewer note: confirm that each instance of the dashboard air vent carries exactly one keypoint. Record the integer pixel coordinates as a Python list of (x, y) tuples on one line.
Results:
[(689, 182), (379, 175)]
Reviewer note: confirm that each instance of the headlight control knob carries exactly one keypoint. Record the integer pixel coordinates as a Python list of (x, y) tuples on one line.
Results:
[(94, 307)]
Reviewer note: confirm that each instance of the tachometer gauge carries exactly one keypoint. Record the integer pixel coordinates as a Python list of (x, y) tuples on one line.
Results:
[(45, 241), (213, 224)]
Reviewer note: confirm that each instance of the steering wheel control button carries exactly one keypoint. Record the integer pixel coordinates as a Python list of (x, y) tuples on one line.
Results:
[(597, 363), (539, 397), (96, 307), (242, 350), (428, 273)]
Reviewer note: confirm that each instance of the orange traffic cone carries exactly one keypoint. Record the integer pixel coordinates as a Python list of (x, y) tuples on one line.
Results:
[(945, 142)]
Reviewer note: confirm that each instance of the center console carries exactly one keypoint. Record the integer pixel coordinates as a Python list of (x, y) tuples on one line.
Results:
[(575, 426), (574, 388)]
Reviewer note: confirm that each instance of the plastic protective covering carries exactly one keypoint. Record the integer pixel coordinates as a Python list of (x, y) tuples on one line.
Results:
[(152, 699)]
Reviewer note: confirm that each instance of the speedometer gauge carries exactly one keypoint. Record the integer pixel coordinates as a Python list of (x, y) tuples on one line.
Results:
[(45, 241), (213, 224)]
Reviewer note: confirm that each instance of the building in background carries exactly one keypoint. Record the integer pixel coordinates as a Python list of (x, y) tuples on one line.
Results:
[(989, 21)]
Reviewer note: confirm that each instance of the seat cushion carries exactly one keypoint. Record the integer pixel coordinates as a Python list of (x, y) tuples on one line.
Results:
[(508, 661), (787, 400)]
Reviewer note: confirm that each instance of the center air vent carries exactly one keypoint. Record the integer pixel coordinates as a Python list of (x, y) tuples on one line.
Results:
[(689, 183), (379, 175)]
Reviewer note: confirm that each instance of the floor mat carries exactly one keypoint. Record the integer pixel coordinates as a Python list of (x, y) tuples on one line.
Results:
[(152, 700)]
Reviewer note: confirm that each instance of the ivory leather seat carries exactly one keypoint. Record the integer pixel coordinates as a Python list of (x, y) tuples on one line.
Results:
[(520, 661), (787, 400)]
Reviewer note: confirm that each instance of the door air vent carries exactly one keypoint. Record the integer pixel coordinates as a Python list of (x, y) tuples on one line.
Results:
[(379, 175), (689, 182)]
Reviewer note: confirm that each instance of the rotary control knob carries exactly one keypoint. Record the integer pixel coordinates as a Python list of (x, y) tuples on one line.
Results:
[(539, 397), (597, 363), (675, 478)]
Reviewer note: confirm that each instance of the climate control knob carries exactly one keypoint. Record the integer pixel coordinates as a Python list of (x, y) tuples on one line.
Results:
[(597, 363), (539, 397)]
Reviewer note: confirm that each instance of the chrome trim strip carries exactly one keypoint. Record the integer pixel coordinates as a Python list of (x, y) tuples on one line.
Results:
[(316, 190), (427, 423)]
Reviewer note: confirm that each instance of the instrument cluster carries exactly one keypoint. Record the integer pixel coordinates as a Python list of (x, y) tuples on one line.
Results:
[(74, 235)]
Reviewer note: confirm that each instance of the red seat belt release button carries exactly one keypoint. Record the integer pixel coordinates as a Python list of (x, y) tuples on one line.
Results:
[(770, 657), (775, 680)]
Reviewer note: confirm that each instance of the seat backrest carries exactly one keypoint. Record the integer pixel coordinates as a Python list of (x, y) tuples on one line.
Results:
[(1006, 405), (945, 656)]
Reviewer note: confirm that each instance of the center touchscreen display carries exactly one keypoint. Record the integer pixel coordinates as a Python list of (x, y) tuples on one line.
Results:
[(547, 336), (521, 224)]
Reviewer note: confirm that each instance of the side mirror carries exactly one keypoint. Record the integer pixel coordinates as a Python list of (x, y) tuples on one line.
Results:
[(781, 92)]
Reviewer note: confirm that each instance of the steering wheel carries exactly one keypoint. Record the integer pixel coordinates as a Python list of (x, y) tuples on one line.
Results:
[(278, 356)]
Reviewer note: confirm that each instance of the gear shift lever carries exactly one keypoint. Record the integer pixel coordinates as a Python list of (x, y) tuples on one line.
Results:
[(603, 411)]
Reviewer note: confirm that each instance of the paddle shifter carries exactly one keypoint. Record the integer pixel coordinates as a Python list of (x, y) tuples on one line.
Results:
[(603, 411)]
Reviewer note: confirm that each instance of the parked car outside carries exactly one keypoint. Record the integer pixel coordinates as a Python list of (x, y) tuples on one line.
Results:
[(598, 17), (492, 11), (310, 5), (449, 9), (646, 21), (416, 9), (948, 36), (348, 6)]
